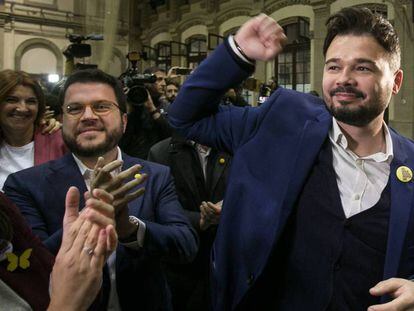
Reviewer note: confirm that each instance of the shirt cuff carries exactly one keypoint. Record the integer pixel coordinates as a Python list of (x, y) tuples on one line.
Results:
[(139, 243), (236, 51)]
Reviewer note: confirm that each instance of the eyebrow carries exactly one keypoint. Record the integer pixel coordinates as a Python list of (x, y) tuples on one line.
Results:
[(18, 97), (358, 61)]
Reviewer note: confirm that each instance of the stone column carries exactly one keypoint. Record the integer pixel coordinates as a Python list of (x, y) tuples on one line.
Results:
[(322, 12)]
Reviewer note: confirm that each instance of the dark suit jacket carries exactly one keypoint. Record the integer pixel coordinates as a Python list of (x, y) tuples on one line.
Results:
[(274, 147), (182, 158), (40, 193), (189, 283)]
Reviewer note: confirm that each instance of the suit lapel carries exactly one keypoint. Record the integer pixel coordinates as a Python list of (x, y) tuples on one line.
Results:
[(183, 161), (63, 174), (217, 170), (401, 205), (313, 136), (135, 205)]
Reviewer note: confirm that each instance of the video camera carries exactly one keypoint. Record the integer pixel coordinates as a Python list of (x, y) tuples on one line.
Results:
[(79, 50), (135, 82)]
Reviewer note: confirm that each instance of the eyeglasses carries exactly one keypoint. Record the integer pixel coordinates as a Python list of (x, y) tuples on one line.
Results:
[(98, 108)]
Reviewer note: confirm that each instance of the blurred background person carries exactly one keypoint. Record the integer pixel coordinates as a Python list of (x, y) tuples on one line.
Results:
[(22, 141), (146, 125), (171, 90), (200, 175), (234, 97), (157, 89)]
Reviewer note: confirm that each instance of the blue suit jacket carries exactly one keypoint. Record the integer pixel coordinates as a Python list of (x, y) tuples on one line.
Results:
[(274, 148), (40, 193)]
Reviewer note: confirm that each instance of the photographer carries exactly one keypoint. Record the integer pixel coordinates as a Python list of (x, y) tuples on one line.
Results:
[(146, 124), (157, 89)]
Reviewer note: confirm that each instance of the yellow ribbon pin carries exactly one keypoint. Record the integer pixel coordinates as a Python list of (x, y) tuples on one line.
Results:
[(404, 174), (222, 161), (16, 261), (138, 176)]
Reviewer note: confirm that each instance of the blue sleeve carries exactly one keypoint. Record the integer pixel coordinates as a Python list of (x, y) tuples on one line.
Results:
[(170, 235), (195, 112), (16, 190)]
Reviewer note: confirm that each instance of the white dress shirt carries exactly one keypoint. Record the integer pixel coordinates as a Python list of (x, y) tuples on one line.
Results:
[(360, 180), (87, 173)]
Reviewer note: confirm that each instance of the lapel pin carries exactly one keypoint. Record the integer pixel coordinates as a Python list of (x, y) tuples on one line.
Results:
[(21, 261), (404, 174), (222, 161), (138, 176)]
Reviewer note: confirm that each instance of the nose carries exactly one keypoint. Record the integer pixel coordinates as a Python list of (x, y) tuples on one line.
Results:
[(21, 105), (88, 113), (346, 77)]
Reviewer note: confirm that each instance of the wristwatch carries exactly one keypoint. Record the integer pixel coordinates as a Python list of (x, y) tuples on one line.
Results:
[(133, 237)]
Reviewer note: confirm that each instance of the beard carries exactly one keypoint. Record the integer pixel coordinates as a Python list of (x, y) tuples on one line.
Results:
[(360, 115), (93, 150)]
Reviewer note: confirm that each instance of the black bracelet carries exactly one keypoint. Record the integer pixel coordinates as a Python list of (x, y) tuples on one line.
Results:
[(241, 51)]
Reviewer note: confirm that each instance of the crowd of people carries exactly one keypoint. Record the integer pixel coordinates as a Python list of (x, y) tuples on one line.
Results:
[(187, 198)]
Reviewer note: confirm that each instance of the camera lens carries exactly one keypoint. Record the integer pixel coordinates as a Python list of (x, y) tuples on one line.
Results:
[(137, 95)]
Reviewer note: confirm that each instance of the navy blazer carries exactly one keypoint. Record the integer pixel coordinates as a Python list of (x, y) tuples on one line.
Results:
[(274, 148), (40, 192)]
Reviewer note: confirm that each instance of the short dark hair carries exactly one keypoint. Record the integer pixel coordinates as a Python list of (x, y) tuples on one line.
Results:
[(175, 83), (153, 70), (95, 76), (362, 21)]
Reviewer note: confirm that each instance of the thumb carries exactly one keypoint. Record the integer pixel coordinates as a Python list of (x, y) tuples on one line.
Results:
[(71, 206), (385, 287)]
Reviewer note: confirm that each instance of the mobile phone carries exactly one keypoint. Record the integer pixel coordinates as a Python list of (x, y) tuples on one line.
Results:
[(183, 71)]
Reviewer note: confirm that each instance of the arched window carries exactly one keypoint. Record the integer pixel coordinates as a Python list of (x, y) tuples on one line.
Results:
[(163, 55), (292, 66), (197, 50)]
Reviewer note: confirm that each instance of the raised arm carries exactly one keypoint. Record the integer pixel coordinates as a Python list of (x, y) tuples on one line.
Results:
[(196, 113)]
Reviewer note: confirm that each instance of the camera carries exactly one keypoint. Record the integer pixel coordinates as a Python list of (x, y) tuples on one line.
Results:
[(134, 81), (183, 71), (78, 50)]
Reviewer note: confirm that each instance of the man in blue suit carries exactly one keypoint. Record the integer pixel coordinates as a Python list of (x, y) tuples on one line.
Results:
[(318, 213), (150, 228)]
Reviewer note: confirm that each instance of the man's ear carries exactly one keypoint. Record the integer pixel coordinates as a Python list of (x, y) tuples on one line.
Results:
[(398, 79), (124, 121)]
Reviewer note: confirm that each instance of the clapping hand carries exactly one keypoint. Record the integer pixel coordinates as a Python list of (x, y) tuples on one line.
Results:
[(209, 214)]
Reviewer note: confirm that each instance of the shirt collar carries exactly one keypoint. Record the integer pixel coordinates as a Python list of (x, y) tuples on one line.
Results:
[(337, 136), (85, 171)]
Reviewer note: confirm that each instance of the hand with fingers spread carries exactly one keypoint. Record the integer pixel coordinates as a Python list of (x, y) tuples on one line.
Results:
[(401, 290), (87, 240), (209, 214), (261, 38), (120, 186)]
